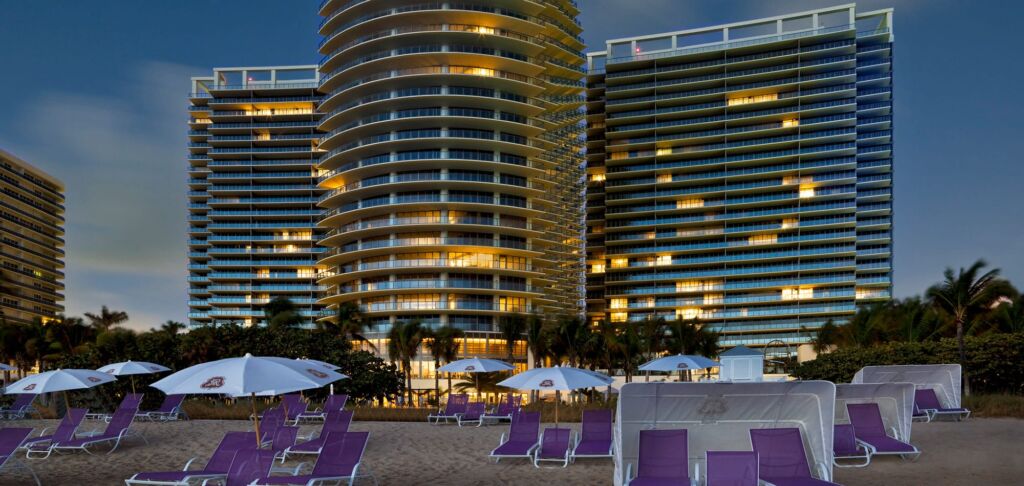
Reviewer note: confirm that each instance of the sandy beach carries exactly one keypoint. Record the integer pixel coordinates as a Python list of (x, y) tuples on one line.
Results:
[(979, 451)]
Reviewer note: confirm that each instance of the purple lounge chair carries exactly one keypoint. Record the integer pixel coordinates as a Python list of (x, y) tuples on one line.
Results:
[(474, 414), (522, 437), (294, 406), (782, 460), (595, 439), (846, 448), (920, 415), (270, 421), (42, 446), (337, 422), (870, 431), (340, 460), (731, 468), (247, 466), (169, 410), (554, 446), (455, 406), (118, 429), (22, 406), (927, 401), (663, 460), (333, 403), (506, 408), (216, 467), (131, 400), (10, 440)]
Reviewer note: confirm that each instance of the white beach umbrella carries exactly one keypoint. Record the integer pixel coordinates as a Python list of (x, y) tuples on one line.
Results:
[(131, 368), (247, 375), (556, 379), (322, 363), (6, 367), (59, 381), (679, 362), (476, 365)]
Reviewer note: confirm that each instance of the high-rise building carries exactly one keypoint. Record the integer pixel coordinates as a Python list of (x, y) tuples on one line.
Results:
[(741, 175), (31, 242), (452, 162), (252, 193)]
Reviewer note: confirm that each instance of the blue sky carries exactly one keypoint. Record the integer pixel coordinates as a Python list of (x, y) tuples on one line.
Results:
[(95, 93)]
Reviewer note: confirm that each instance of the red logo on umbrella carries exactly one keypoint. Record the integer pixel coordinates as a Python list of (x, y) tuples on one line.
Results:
[(682, 366), (470, 368), (30, 387), (547, 383), (318, 374), (154, 368), (94, 379), (215, 382)]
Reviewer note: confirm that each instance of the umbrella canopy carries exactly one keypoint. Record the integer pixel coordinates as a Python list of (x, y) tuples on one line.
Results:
[(6, 367), (476, 365), (58, 380), (679, 362), (132, 368), (247, 375), (556, 378), (322, 363)]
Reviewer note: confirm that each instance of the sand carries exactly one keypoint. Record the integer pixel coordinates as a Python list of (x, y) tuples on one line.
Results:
[(978, 451)]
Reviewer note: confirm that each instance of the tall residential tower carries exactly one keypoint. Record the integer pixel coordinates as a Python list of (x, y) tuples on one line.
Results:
[(31, 242), (252, 198), (741, 175), (452, 164)]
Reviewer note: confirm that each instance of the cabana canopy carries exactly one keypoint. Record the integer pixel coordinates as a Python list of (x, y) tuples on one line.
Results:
[(718, 417), (895, 403), (943, 378)]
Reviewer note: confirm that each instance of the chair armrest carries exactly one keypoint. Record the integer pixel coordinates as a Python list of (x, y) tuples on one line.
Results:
[(823, 470), (696, 474), (189, 463), (629, 473), (45, 430), (502, 439)]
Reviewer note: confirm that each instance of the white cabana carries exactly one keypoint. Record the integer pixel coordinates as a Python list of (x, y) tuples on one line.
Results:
[(718, 417), (895, 403), (943, 378)]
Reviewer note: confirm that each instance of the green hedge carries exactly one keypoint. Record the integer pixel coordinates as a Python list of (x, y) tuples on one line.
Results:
[(995, 362)]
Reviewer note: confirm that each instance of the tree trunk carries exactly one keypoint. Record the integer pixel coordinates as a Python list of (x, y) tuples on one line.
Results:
[(437, 382), (963, 356)]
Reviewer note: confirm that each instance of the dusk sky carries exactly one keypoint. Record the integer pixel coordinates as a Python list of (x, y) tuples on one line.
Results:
[(95, 93)]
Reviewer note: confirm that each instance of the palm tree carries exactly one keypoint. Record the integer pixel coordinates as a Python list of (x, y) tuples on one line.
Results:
[(536, 338), (482, 383), (1009, 316), (652, 336), (443, 346), (965, 296), (404, 341), (569, 337), (171, 328), (511, 329), (351, 325), (281, 312), (67, 335), (106, 319)]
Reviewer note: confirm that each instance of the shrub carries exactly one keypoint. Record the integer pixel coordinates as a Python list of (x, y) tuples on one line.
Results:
[(995, 362)]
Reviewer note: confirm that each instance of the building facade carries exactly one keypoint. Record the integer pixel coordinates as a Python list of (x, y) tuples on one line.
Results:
[(452, 164), (741, 175), (252, 154), (31, 242)]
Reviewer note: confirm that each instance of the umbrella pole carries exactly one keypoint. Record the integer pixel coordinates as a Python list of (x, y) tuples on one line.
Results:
[(67, 403), (133, 384), (256, 419), (557, 393)]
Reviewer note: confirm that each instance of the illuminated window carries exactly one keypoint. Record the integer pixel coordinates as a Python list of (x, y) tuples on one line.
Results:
[(481, 30), (762, 239), (713, 298), (597, 177), (618, 303), (618, 155), (806, 192), (753, 99), (620, 262), (790, 123), (688, 285), (650, 235), (475, 71), (512, 304), (664, 260), (663, 151), (689, 203), (597, 268), (790, 223), (688, 313), (798, 293), (645, 302), (619, 316), (664, 177)]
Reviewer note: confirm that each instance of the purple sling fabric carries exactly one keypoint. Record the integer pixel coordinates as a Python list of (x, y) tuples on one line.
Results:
[(65, 429), (337, 422), (335, 402), (554, 443), (219, 461), (868, 427), (926, 399), (663, 458), (474, 411), (131, 400), (284, 437), (249, 465), (731, 468), (522, 435), (11, 439), (596, 434), (121, 420), (170, 403), (844, 441), (22, 402), (341, 453), (456, 404), (781, 457)]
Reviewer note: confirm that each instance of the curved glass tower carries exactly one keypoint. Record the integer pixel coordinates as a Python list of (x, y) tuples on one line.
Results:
[(451, 161)]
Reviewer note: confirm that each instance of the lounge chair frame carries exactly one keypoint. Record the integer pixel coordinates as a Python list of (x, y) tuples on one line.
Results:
[(540, 445)]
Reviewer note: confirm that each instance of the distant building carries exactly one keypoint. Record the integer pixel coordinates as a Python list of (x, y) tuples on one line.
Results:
[(252, 209), (741, 175), (31, 242)]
